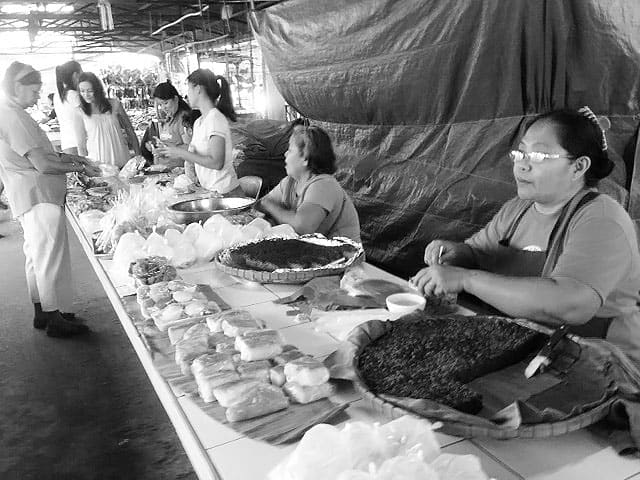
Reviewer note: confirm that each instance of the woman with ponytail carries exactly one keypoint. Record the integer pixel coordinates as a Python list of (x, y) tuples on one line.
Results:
[(66, 103), (210, 148), (559, 253)]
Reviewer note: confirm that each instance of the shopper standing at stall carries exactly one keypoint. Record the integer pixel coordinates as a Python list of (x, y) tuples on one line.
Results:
[(102, 138), (211, 145), (34, 177), (171, 110)]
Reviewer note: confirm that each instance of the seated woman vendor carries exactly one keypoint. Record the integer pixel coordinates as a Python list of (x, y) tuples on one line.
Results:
[(558, 253), (211, 146), (309, 198)]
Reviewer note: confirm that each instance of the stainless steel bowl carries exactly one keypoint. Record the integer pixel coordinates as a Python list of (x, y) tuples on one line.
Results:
[(199, 210)]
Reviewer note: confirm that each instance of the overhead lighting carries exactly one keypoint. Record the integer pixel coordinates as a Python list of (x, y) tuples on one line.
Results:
[(106, 17), (25, 9), (14, 8)]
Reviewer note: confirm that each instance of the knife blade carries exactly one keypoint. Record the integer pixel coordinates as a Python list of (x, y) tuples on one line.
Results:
[(543, 358)]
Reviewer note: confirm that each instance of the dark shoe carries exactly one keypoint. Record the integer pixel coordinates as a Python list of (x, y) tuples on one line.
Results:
[(57, 326), (71, 317), (39, 319)]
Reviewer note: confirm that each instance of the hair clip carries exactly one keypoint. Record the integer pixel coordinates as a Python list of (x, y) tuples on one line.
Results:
[(588, 113)]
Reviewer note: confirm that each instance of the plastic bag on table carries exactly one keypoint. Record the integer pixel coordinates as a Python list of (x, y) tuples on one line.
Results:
[(192, 232), (173, 237), (156, 245), (365, 444), (183, 254), (407, 468), (320, 455), (340, 323), (356, 281), (207, 246), (410, 435), (108, 170), (216, 223), (130, 248), (132, 167), (90, 220)]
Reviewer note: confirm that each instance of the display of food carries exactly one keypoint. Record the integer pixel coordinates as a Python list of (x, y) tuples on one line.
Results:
[(245, 368), (150, 270), (434, 357), (273, 254)]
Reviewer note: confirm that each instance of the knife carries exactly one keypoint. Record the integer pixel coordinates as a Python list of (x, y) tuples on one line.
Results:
[(543, 358)]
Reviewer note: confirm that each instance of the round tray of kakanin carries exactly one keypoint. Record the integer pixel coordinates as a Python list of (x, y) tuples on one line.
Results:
[(468, 374), (290, 260)]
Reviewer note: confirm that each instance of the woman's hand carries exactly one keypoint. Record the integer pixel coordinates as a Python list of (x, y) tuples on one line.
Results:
[(452, 252), (168, 151), (439, 280)]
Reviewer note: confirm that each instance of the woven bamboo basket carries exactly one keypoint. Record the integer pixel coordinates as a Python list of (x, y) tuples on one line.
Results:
[(450, 426), (287, 275)]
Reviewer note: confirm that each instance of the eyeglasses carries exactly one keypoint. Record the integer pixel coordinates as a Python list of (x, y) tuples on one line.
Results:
[(534, 157)]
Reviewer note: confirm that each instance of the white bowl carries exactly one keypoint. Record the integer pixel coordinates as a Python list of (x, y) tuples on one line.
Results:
[(404, 303)]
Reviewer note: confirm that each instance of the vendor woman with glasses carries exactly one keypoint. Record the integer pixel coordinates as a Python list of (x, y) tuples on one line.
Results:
[(558, 253)]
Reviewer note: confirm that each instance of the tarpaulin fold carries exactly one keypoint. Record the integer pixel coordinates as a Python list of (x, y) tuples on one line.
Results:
[(423, 99)]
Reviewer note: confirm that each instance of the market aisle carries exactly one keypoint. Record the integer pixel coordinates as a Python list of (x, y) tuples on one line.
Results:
[(80, 408)]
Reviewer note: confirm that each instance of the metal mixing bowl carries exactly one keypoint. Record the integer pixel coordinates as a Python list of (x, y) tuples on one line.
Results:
[(199, 210)]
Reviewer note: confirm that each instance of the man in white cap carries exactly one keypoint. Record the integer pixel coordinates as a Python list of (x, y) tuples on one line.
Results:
[(35, 183)]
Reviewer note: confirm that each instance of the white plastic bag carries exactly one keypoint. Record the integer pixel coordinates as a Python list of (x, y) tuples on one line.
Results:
[(207, 246), (192, 232), (183, 254), (129, 249), (155, 245), (90, 220), (216, 223)]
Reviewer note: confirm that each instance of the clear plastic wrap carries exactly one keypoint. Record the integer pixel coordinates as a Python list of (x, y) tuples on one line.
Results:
[(404, 449)]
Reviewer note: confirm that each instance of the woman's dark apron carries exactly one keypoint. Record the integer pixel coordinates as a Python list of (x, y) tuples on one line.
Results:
[(521, 263)]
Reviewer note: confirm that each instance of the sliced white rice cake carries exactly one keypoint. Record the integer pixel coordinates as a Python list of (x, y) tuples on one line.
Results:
[(188, 350), (207, 383), (215, 320), (257, 370), (253, 348), (301, 394), (234, 392), (306, 371), (262, 400), (210, 363)]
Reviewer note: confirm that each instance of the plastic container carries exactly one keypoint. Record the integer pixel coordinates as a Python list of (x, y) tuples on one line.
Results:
[(404, 303)]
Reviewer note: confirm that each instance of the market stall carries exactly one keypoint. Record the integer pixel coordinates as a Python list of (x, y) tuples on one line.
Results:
[(220, 449)]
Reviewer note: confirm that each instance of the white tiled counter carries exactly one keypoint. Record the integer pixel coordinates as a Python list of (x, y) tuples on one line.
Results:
[(218, 452)]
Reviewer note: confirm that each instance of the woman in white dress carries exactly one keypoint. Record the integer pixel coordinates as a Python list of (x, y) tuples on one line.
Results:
[(66, 103), (103, 138), (210, 148)]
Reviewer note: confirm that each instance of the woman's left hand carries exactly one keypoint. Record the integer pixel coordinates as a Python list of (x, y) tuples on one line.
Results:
[(439, 280)]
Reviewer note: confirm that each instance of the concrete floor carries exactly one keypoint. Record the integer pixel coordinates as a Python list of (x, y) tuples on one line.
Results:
[(77, 408)]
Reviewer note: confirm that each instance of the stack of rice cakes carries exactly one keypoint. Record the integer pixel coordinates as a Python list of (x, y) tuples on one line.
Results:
[(433, 358), (245, 368)]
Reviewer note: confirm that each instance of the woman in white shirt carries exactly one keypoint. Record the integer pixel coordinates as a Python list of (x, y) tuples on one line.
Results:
[(66, 103), (210, 147), (105, 125)]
